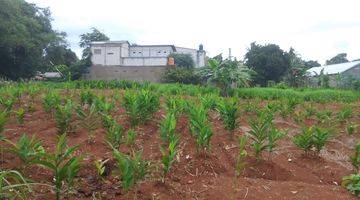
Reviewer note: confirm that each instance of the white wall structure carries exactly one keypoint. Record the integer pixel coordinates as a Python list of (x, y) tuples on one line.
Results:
[(121, 53)]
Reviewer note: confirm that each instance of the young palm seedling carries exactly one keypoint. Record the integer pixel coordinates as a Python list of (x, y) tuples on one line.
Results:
[(114, 135), (200, 127), (167, 127), (27, 149), (140, 106), (345, 114), (259, 133), (130, 137), (100, 167), (273, 136), (50, 101), (63, 164), (352, 183), (63, 116), (355, 158), (132, 169), (228, 110), (13, 185), (3, 120), (87, 97), (312, 139), (89, 120), (168, 154), (240, 159), (351, 128), (8, 104)]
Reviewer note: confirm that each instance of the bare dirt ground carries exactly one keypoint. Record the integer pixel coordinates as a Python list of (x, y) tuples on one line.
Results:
[(287, 175)]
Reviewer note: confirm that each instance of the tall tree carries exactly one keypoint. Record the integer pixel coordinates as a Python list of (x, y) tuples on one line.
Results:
[(59, 53), (26, 31), (85, 41), (269, 62), (340, 58)]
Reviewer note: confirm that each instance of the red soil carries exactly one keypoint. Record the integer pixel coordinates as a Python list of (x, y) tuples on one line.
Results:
[(288, 175)]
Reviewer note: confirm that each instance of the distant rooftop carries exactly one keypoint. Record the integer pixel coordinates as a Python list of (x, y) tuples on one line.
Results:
[(333, 69)]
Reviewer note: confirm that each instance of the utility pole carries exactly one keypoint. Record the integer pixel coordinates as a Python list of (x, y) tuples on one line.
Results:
[(230, 57)]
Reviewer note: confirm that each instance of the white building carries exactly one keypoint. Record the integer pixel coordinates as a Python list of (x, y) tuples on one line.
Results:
[(121, 53)]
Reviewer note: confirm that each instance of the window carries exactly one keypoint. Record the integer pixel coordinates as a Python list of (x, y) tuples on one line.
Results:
[(97, 51), (110, 53), (164, 51), (134, 52), (159, 51)]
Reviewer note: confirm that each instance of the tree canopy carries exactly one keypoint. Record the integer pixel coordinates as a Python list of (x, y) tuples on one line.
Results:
[(26, 32), (268, 61), (85, 41), (183, 60), (340, 58)]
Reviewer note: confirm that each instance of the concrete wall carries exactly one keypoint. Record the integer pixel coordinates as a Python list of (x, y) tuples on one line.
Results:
[(135, 73), (137, 61), (150, 51)]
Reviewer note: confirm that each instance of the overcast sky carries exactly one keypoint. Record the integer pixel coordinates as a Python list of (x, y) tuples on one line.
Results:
[(317, 29)]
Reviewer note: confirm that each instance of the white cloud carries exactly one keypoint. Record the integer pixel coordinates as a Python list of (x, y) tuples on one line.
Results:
[(316, 29)]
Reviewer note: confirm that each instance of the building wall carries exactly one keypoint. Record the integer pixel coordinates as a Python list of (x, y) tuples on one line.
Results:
[(353, 73), (112, 55), (134, 73), (150, 61), (150, 51), (98, 55)]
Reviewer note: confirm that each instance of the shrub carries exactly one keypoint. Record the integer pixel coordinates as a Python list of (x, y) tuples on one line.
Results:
[(352, 183), (132, 169), (181, 75), (27, 149), (140, 106), (228, 110), (64, 165)]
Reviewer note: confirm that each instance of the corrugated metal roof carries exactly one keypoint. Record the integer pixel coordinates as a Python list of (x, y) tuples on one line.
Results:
[(332, 69)]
